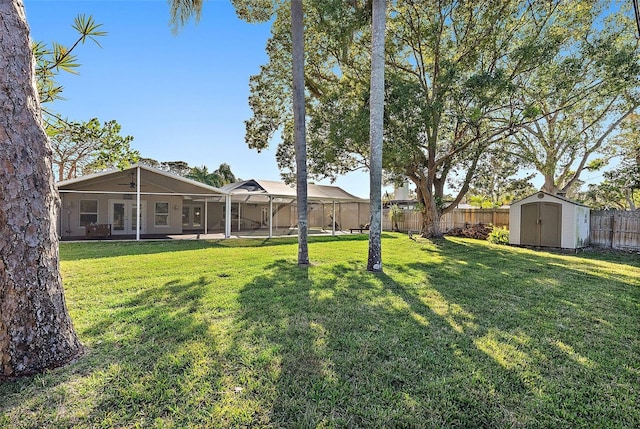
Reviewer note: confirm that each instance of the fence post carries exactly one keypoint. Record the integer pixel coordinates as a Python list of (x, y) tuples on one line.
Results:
[(613, 227)]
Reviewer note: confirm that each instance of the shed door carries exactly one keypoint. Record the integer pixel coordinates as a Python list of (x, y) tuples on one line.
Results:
[(541, 224), (551, 225)]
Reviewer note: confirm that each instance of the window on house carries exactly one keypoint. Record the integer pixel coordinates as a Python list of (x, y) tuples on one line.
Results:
[(161, 214), (88, 212)]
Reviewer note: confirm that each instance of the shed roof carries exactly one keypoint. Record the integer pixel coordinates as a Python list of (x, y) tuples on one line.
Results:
[(559, 197)]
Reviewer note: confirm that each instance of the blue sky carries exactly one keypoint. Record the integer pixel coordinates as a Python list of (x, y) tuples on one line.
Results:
[(182, 97)]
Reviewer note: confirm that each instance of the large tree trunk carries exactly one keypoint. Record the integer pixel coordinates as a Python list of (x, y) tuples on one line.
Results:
[(549, 185), (35, 329), (376, 128), (430, 214), (430, 219), (299, 118)]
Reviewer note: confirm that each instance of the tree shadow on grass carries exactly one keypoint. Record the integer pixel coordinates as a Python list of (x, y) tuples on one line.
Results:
[(560, 324), (77, 251), (455, 343), (346, 348), (460, 336), (144, 355)]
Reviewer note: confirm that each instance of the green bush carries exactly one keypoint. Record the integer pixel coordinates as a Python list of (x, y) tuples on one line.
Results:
[(499, 236)]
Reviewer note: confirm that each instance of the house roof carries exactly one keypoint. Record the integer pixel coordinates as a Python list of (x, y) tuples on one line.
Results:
[(152, 181), (157, 182), (261, 190), (550, 195)]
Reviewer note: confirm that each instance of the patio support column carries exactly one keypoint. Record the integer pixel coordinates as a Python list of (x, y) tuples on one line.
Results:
[(227, 216), (206, 215), (333, 217), (239, 218), (138, 210), (270, 216)]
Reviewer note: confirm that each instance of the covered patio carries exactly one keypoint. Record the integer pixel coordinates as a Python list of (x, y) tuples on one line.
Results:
[(269, 208), (143, 202), (139, 202)]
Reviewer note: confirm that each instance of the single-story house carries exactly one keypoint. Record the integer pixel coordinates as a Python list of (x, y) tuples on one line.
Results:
[(547, 220), (106, 204)]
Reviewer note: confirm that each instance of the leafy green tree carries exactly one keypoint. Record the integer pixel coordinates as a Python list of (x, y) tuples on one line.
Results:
[(51, 60), (395, 215), (179, 168), (621, 185), (452, 70), (611, 193), (149, 162), (496, 183), (83, 147), (580, 97), (224, 175), (220, 177)]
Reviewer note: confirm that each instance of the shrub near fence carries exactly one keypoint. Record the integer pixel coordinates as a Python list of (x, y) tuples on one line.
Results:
[(458, 218), (616, 229)]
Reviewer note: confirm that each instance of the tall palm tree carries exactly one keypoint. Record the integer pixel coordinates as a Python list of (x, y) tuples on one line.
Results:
[(297, 36), (376, 127), (183, 10)]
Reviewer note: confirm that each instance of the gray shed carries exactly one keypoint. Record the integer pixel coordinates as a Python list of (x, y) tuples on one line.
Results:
[(547, 220)]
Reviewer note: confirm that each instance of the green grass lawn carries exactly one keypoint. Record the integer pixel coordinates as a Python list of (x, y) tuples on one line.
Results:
[(455, 333)]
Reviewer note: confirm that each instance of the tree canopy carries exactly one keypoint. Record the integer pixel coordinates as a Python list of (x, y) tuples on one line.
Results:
[(218, 178), (55, 58), (80, 148), (454, 78), (580, 97), (621, 185)]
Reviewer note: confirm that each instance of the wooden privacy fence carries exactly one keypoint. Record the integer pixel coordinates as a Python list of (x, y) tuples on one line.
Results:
[(616, 229), (458, 218)]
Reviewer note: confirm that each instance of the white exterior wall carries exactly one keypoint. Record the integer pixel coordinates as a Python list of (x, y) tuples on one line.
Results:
[(175, 214), (68, 224), (568, 233), (514, 223), (583, 226)]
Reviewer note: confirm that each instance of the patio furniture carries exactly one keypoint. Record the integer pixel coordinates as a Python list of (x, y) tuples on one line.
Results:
[(98, 230)]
